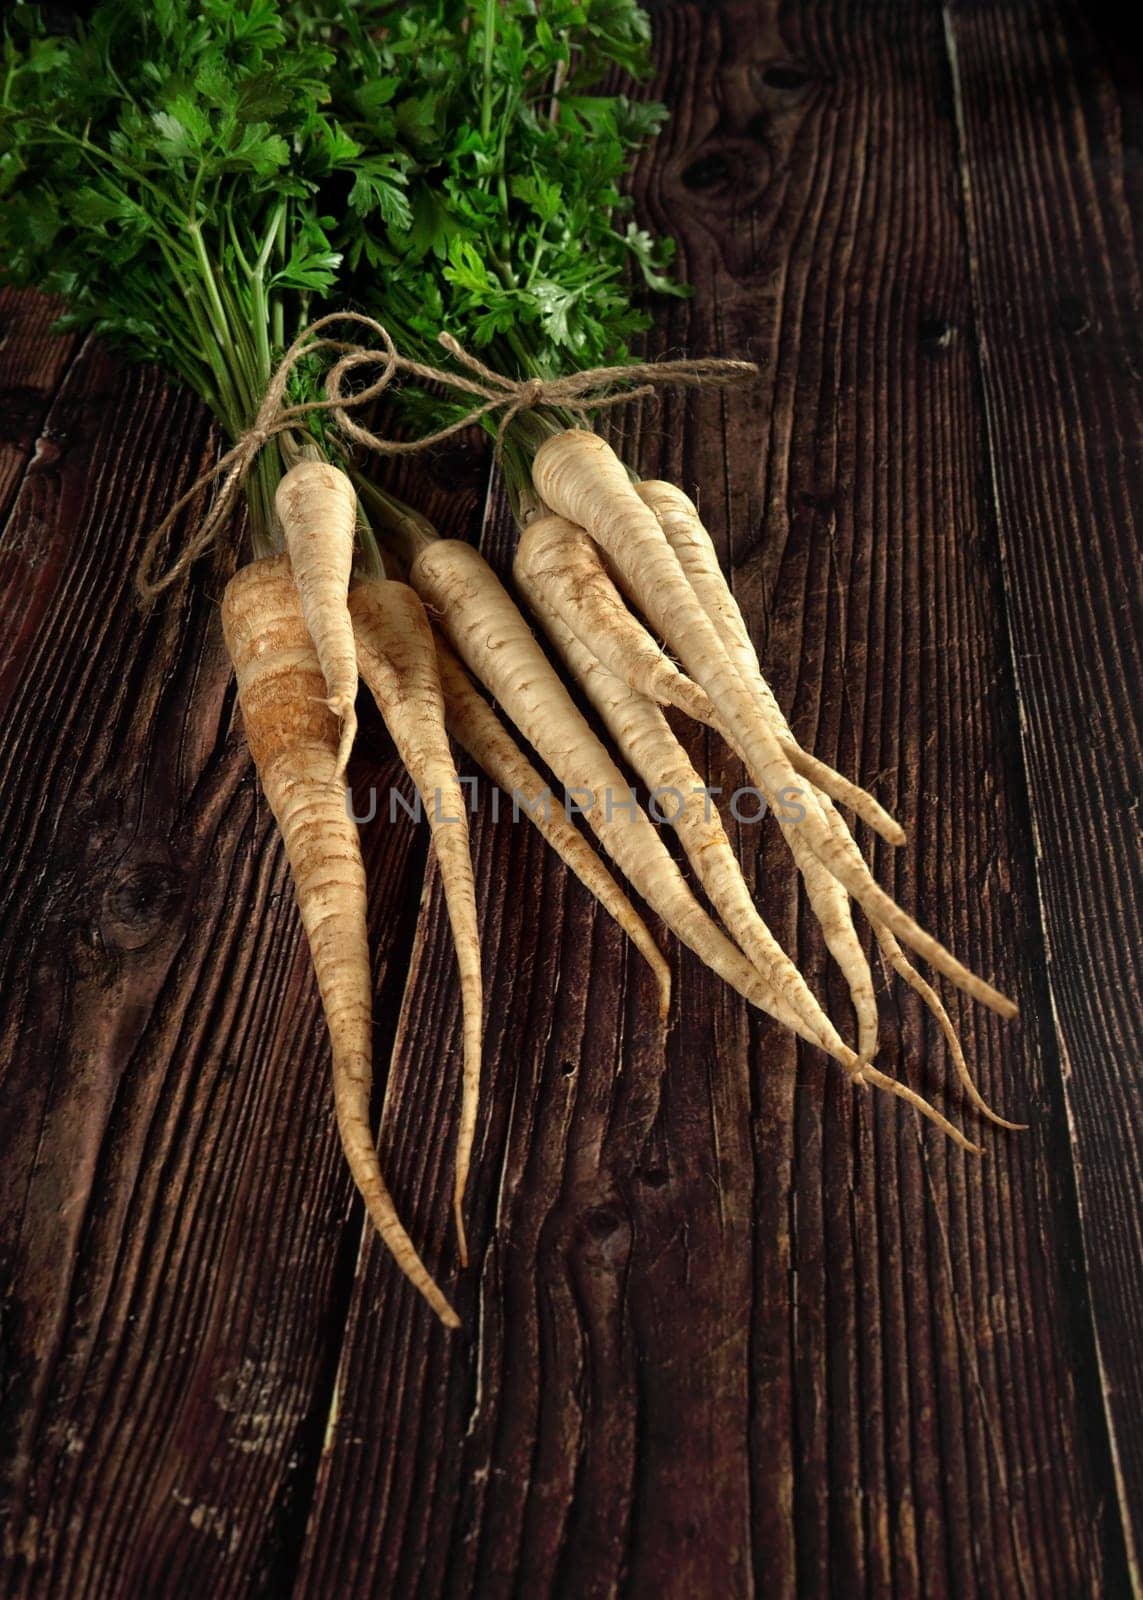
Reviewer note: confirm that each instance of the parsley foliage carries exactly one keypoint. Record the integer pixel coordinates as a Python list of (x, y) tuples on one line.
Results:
[(198, 180), (519, 243), (168, 168)]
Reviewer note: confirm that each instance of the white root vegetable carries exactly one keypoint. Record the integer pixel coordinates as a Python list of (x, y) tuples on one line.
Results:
[(494, 641), (578, 475), (476, 727), (558, 561), (293, 739), (566, 564), (492, 638), (397, 657), (644, 740), (317, 507), (759, 752)]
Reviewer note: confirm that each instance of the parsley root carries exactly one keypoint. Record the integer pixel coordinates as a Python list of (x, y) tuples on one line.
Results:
[(293, 740), (317, 507), (566, 565), (643, 737), (560, 562), (579, 476), (474, 725), (492, 638), (398, 661), (687, 535)]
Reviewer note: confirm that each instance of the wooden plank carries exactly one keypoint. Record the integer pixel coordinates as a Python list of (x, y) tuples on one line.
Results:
[(1050, 110), (33, 360), (176, 1226), (730, 1330)]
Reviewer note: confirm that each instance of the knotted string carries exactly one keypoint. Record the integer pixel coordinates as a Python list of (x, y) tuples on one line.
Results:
[(581, 393), (272, 418)]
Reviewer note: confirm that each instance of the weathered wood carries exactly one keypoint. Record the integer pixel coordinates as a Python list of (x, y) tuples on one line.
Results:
[(729, 1329), (176, 1251), (759, 1337), (33, 359), (1049, 103)]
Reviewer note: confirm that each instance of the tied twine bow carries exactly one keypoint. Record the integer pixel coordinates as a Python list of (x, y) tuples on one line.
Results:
[(581, 393)]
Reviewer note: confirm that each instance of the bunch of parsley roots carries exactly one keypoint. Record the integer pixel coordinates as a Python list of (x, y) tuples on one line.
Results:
[(201, 183)]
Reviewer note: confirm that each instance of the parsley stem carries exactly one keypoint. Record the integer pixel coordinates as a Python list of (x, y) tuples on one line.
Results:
[(213, 300), (408, 533), (277, 308), (489, 58), (541, 246), (272, 235), (261, 321), (261, 310), (235, 240)]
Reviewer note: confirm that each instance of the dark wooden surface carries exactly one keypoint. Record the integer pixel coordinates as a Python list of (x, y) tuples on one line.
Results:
[(728, 1329)]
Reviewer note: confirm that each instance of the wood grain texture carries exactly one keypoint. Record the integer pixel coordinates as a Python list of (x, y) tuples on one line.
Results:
[(824, 1369), (177, 1228), (730, 1330), (34, 358), (1051, 119)]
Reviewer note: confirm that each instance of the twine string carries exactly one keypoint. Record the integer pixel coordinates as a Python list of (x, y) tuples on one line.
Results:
[(272, 418), (580, 393)]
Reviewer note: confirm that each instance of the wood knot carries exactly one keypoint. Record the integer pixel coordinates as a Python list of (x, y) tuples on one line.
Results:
[(139, 905), (602, 1222), (786, 76), (707, 172)]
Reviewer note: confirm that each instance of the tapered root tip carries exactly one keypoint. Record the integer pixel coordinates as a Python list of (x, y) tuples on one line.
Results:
[(984, 994), (346, 713), (977, 1100), (895, 960), (1002, 1122), (438, 1302), (461, 1237), (881, 1080), (892, 831)]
